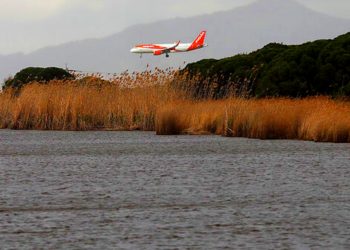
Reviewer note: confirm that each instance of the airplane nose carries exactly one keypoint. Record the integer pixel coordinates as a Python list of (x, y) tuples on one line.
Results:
[(133, 50)]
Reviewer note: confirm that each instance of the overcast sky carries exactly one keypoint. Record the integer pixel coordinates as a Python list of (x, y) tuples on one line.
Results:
[(27, 25)]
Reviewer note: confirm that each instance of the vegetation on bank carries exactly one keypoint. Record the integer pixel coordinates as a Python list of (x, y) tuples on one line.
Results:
[(315, 68), (208, 97), (125, 103), (37, 74), (318, 118), (148, 101)]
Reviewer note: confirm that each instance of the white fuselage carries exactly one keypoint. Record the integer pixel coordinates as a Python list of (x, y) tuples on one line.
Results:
[(159, 49), (182, 47)]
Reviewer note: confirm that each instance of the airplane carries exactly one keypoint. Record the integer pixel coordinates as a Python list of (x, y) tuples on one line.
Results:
[(159, 49)]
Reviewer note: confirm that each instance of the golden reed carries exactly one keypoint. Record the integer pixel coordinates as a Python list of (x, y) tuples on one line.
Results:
[(318, 118), (147, 102)]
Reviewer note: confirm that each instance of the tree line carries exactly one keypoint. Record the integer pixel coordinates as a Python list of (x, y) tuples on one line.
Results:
[(321, 67)]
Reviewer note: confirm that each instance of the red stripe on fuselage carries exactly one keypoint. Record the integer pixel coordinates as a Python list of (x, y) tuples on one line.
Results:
[(149, 46)]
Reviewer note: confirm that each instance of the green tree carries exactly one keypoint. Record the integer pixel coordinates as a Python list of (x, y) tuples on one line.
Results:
[(42, 75), (315, 68)]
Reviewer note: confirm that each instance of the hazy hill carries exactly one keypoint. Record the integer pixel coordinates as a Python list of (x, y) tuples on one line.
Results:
[(230, 32)]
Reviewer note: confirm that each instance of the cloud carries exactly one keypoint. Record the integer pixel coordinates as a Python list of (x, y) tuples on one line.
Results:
[(34, 10), (340, 8), (24, 10), (51, 22)]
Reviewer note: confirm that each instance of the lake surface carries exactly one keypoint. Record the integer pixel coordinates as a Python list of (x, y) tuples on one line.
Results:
[(136, 190)]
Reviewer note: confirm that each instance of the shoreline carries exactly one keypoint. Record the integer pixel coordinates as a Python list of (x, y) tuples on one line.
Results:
[(169, 135), (68, 106)]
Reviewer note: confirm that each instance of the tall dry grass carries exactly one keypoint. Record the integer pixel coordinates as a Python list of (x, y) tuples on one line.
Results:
[(318, 118), (127, 102), (148, 102)]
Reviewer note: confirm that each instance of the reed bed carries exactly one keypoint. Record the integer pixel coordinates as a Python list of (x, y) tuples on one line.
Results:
[(318, 118), (128, 102), (148, 102)]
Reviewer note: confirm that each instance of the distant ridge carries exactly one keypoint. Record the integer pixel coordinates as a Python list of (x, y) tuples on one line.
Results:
[(243, 29)]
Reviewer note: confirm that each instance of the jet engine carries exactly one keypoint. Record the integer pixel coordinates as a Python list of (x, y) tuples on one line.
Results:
[(157, 52)]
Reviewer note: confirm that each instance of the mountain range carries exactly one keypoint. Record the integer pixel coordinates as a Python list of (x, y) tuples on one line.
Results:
[(239, 30)]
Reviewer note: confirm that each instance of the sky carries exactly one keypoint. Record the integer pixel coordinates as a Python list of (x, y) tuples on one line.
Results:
[(28, 25)]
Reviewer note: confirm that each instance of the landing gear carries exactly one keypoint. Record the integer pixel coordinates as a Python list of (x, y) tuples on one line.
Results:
[(166, 55), (141, 55)]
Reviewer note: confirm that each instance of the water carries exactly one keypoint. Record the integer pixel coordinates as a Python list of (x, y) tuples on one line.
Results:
[(135, 190)]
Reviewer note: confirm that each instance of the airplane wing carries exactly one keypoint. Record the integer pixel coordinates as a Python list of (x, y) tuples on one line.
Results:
[(173, 47), (169, 49), (166, 50)]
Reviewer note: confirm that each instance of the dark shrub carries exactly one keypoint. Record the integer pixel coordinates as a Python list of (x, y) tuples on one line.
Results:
[(42, 75), (315, 68)]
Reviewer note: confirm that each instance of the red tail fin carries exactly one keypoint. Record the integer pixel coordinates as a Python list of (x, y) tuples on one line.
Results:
[(199, 41)]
